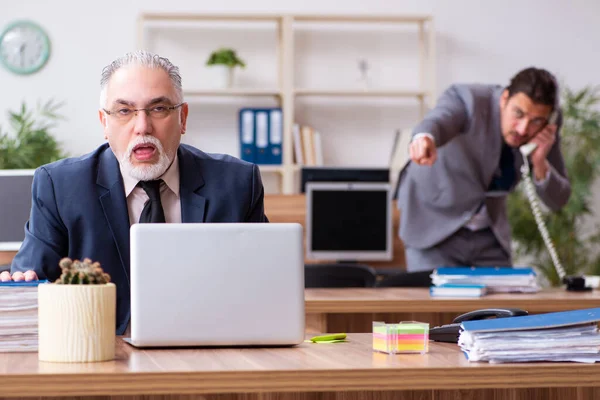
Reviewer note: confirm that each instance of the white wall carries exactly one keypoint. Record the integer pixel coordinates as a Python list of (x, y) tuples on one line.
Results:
[(477, 41)]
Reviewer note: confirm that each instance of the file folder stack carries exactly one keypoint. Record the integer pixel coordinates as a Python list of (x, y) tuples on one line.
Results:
[(261, 135), (460, 280), (18, 316), (562, 336)]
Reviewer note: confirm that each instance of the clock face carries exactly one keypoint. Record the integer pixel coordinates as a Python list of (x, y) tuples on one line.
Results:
[(24, 47)]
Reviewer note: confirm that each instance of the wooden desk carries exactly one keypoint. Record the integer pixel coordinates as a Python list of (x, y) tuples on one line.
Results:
[(6, 257), (353, 310), (337, 371)]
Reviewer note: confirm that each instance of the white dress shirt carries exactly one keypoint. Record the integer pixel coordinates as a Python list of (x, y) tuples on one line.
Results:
[(169, 195)]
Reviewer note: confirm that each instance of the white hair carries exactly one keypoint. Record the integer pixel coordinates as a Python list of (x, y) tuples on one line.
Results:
[(146, 172), (146, 59)]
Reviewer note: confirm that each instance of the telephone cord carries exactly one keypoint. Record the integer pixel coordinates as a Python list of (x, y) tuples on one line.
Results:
[(537, 213)]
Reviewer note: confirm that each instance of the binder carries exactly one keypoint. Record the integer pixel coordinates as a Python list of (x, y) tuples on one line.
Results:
[(246, 129), (561, 336), (538, 321), (261, 125), (484, 271), (261, 135), (275, 136)]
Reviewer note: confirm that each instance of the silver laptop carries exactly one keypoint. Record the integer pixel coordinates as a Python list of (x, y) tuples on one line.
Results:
[(225, 284)]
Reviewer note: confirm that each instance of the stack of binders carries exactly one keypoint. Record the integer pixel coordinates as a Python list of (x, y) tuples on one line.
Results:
[(261, 135), (478, 281), (561, 336), (19, 316)]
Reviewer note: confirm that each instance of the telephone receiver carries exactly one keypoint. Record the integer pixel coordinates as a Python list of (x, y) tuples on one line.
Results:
[(528, 148), (449, 333)]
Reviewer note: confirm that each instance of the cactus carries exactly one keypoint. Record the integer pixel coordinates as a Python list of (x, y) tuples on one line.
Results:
[(86, 272)]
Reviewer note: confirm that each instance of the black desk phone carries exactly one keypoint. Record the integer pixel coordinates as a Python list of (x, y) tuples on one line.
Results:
[(449, 333)]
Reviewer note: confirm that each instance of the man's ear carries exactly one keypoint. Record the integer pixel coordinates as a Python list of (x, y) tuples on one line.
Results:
[(184, 114), (504, 98), (103, 122)]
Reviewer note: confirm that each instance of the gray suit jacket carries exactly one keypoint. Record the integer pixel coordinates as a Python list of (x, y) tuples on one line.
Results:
[(436, 201)]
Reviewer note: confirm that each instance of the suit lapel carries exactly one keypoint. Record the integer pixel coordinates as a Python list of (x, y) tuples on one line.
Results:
[(193, 205), (114, 204)]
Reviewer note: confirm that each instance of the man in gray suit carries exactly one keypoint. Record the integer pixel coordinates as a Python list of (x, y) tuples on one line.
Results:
[(464, 160)]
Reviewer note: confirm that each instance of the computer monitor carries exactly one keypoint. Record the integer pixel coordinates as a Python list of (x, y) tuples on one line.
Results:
[(15, 205), (342, 174), (348, 221)]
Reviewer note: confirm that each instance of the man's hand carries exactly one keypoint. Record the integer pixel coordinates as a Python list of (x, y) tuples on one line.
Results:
[(19, 276), (544, 140), (423, 151)]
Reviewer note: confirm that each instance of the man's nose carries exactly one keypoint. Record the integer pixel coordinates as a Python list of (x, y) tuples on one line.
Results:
[(143, 123), (522, 126)]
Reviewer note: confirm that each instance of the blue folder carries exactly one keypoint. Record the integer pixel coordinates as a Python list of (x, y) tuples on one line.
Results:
[(247, 136), (23, 283), (538, 321), (478, 271)]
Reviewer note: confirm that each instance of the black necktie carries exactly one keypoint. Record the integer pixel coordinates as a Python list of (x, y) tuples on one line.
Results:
[(153, 211), (507, 173)]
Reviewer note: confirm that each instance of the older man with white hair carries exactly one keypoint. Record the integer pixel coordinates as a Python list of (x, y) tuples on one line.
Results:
[(83, 207)]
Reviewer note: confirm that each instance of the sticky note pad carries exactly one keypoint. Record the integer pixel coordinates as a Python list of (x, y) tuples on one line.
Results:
[(403, 337)]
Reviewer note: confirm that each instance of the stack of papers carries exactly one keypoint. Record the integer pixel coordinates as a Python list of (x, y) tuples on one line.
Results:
[(493, 279), (18, 316), (562, 336)]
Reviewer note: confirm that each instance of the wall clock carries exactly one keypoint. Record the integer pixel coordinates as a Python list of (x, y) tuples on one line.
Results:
[(24, 47)]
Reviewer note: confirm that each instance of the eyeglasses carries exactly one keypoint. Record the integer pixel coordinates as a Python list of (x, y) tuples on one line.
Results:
[(158, 111)]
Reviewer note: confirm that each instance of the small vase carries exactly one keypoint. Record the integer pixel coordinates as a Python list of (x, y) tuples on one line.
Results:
[(223, 76), (230, 77), (76, 322)]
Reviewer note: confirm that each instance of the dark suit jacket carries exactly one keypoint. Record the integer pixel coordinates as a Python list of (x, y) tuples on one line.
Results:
[(436, 201), (79, 210)]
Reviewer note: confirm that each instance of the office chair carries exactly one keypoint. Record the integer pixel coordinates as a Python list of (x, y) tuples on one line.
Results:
[(406, 279), (338, 275)]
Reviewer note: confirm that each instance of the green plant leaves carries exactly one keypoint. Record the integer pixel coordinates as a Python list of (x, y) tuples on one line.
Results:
[(31, 143), (225, 56)]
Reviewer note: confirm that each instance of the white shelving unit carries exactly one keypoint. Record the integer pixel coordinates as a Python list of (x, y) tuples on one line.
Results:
[(233, 92), (287, 92)]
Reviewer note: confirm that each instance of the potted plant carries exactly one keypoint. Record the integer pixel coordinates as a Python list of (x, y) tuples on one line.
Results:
[(572, 230), (77, 314), (225, 60), (31, 143)]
